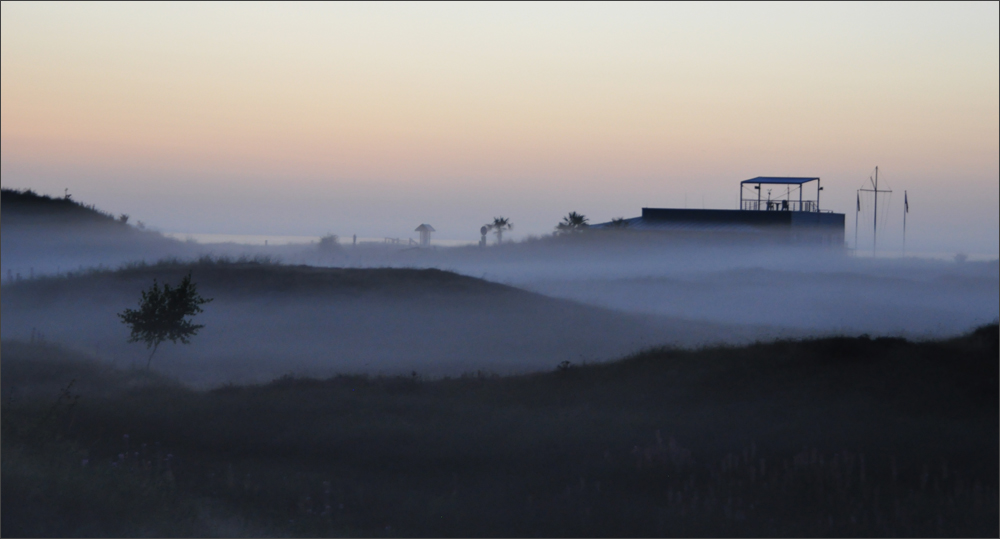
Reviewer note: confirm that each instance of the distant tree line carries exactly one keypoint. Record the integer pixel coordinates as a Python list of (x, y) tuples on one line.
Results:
[(572, 223)]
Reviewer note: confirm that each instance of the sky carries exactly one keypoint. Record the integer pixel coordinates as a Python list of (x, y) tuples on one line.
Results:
[(369, 119)]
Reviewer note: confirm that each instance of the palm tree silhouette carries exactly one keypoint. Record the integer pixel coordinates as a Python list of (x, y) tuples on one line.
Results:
[(498, 225), (574, 222)]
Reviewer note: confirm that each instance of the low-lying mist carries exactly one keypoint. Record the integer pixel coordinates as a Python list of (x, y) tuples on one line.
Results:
[(625, 292), (267, 320)]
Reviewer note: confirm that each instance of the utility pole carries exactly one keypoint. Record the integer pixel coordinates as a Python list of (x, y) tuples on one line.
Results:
[(875, 190)]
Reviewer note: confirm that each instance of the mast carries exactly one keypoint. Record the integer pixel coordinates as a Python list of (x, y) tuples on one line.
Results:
[(875, 190)]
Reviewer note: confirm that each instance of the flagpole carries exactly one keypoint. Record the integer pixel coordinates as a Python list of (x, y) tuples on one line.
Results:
[(856, 212), (906, 210)]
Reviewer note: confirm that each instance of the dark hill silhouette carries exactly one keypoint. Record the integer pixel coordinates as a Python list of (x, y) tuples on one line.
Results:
[(21, 207), (46, 234), (269, 319)]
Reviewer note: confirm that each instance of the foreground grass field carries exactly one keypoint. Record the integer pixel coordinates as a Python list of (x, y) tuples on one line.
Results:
[(827, 437)]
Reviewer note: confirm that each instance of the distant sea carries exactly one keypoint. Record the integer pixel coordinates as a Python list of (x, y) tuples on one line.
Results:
[(265, 239)]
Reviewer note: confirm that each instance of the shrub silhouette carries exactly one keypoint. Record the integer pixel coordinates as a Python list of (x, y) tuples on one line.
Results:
[(161, 315)]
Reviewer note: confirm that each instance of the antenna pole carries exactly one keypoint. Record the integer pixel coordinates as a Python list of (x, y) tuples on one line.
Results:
[(875, 217), (906, 207), (857, 210)]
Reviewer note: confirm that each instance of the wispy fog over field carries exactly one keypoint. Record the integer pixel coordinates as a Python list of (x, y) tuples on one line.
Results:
[(376, 269), (267, 320), (521, 307)]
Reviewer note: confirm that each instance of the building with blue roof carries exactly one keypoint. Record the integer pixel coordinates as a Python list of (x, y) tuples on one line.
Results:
[(771, 208)]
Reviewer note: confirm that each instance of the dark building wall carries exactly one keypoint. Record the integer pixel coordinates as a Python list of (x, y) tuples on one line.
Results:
[(823, 227), (757, 218), (802, 218)]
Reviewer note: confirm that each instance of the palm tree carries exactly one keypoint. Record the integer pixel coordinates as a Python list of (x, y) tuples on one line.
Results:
[(498, 225), (574, 222)]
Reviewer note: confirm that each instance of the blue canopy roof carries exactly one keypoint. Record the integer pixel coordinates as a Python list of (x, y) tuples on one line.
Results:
[(779, 180)]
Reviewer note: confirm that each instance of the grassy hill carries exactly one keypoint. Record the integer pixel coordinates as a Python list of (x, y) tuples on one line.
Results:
[(47, 235), (822, 437), (28, 207), (271, 319)]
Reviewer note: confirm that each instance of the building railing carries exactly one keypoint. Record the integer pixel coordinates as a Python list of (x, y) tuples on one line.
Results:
[(748, 204)]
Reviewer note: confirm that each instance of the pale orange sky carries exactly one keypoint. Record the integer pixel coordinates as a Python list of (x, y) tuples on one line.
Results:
[(363, 118)]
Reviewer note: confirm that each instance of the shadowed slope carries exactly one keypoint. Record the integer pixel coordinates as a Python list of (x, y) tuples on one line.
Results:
[(822, 437), (46, 234), (270, 319)]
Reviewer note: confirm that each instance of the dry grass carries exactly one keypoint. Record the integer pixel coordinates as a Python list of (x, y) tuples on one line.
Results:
[(827, 437)]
